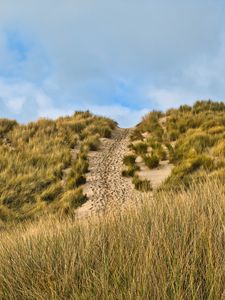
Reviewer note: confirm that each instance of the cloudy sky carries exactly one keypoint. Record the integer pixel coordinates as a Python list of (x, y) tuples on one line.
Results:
[(118, 58)]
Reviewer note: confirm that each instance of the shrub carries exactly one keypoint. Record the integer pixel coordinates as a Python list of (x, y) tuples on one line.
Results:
[(194, 164), (92, 142), (52, 193), (129, 160), (80, 166), (73, 198), (105, 132), (82, 155), (75, 181), (136, 135), (200, 141), (193, 140), (130, 172), (158, 133), (77, 126), (83, 114), (100, 128), (185, 108), (6, 214), (151, 161), (142, 185), (6, 125), (200, 106), (170, 152), (159, 151), (58, 170), (173, 135), (140, 147)]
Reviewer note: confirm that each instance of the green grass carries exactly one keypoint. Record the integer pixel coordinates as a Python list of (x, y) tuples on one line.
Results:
[(129, 160), (140, 148), (151, 161)]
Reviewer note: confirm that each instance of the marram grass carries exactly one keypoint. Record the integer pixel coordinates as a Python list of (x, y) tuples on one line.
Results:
[(171, 246)]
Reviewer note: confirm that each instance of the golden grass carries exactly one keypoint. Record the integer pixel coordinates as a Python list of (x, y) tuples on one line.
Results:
[(169, 247), (190, 135), (34, 159)]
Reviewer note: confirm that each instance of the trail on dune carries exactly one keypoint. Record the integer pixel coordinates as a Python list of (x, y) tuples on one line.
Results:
[(106, 188)]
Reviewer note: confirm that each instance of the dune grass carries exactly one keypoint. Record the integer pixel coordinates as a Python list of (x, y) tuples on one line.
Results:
[(192, 138), (170, 246), (34, 159)]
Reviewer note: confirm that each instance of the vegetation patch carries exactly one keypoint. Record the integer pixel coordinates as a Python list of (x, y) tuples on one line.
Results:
[(142, 185), (130, 171), (151, 161), (140, 148), (190, 137), (129, 160), (43, 160)]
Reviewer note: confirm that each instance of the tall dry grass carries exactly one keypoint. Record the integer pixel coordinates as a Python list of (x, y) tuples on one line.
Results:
[(170, 247), (36, 158), (191, 137)]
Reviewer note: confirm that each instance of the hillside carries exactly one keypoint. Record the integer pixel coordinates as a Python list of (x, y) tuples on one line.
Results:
[(114, 213), (43, 164), (87, 161), (180, 146)]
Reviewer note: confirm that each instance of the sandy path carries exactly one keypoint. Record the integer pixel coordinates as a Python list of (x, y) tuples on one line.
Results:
[(158, 175), (106, 188)]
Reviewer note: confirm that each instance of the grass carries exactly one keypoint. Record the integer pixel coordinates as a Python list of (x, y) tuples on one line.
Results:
[(140, 148), (71, 200), (92, 143), (151, 161), (169, 247), (129, 160), (130, 171), (190, 137), (142, 185), (36, 158)]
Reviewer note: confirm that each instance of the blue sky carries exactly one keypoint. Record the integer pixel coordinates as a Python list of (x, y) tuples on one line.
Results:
[(117, 58)]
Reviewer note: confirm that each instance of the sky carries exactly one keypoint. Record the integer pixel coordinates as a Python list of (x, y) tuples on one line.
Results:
[(118, 58)]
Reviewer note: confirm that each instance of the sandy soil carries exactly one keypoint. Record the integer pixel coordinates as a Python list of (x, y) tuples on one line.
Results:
[(156, 176), (105, 187)]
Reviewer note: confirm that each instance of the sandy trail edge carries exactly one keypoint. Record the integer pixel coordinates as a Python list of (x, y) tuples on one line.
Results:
[(105, 187)]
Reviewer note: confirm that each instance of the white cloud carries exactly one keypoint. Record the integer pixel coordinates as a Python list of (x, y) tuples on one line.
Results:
[(46, 107), (15, 104), (38, 104), (124, 115), (82, 49), (174, 97)]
